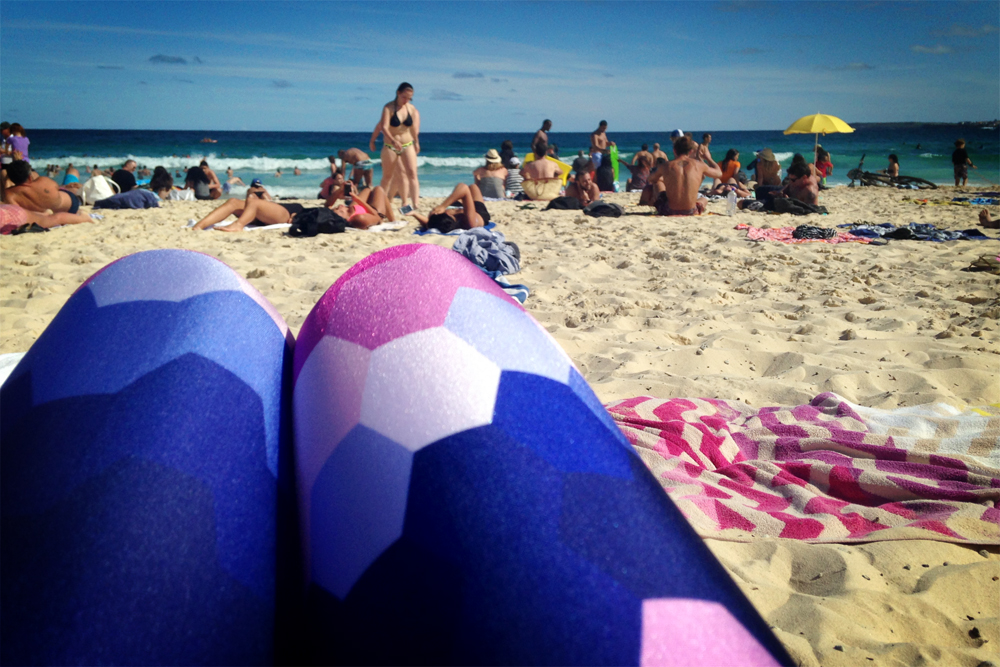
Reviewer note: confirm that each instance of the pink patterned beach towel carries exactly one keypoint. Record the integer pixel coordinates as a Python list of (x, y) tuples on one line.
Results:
[(784, 235), (830, 471)]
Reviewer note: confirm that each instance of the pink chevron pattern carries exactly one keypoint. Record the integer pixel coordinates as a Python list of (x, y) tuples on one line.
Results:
[(830, 471)]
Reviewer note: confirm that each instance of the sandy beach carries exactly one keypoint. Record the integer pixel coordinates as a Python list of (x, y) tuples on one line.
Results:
[(689, 307)]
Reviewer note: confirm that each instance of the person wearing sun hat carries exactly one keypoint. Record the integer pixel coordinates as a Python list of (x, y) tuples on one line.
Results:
[(491, 177)]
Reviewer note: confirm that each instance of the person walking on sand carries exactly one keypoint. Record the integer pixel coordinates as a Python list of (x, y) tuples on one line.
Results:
[(542, 136), (659, 154), (961, 161), (400, 127)]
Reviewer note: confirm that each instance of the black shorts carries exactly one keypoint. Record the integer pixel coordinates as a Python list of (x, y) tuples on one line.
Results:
[(483, 213)]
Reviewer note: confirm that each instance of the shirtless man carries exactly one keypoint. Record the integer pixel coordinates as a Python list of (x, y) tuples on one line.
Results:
[(802, 185), (644, 153), (599, 143), (542, 136), (676, 183), (39, 195), (71, 181), (583, 187), (541, 177), (658, 154), (361, 163)]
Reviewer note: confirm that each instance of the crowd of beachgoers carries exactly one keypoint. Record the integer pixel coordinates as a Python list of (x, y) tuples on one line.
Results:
[(677, 185)]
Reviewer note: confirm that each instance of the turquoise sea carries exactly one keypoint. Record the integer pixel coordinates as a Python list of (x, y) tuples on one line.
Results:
[(924, 150)]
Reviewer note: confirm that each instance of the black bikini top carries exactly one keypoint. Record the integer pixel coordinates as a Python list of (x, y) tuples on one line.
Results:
[(394, 121)]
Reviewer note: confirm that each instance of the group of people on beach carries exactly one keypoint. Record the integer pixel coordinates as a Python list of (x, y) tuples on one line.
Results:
[(673, 187)]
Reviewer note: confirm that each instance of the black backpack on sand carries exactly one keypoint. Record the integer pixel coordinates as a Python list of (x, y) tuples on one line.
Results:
[(313, 221)]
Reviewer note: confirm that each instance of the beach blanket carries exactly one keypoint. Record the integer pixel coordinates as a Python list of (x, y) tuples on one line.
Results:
[(455, 232), (829, 471), (786, 235), (915, 231)]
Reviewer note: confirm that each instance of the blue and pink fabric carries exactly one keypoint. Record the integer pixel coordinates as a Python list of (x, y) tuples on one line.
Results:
[(453, 493)]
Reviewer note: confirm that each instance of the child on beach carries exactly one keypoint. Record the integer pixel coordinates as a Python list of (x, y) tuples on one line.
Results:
[(823, 165), (960, 160)]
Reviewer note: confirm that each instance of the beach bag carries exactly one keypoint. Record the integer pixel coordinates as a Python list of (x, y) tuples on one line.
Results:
[(564, 204), (313, 221), (603, 209), (97, 188)]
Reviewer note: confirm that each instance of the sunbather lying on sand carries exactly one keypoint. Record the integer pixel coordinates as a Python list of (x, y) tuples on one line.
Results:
[(472, 214), (368, 207), (252, 209), (12, 217)]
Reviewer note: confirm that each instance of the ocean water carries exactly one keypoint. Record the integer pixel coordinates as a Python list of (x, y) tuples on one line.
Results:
[(448, 158)]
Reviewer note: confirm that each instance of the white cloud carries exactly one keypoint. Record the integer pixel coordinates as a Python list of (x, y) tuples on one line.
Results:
[(937, 49)]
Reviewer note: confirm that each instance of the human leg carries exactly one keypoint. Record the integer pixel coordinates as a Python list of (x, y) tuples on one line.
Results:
[(377, 199), (140, 451), (233, 206), (408, 163), (56, 219), (388, 166), (258, 210), (472, 502)]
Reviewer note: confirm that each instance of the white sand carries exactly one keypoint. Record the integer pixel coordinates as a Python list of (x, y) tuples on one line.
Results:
[(688, 307)]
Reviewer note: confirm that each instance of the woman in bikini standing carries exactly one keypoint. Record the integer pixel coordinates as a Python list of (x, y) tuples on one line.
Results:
[(400, 127)]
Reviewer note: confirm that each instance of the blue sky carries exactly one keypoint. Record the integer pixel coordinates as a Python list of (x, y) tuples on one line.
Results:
[(483, 66)]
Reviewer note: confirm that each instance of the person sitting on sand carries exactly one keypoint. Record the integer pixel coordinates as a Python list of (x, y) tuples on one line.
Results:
[(491, 179), (798, 158), (214, 186), (39, 195), (961, 161), (333, 181), (258, 190), (676, 183), (472, 214), (893, 168), (801, 184), (362, 170), (369, 207), (71, 179), (507, 153), (162, 183), (640, 172), (514, 178), (824, 167), (196, 179), (125, 177), (729, 166), (583, 187), (542, 179)]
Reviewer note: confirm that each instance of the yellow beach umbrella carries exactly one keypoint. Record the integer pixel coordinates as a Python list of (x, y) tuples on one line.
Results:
[(818, 124)]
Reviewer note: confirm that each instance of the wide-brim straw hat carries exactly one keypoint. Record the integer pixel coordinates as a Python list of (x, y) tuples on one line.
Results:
[(492, 156), (767, 154)]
